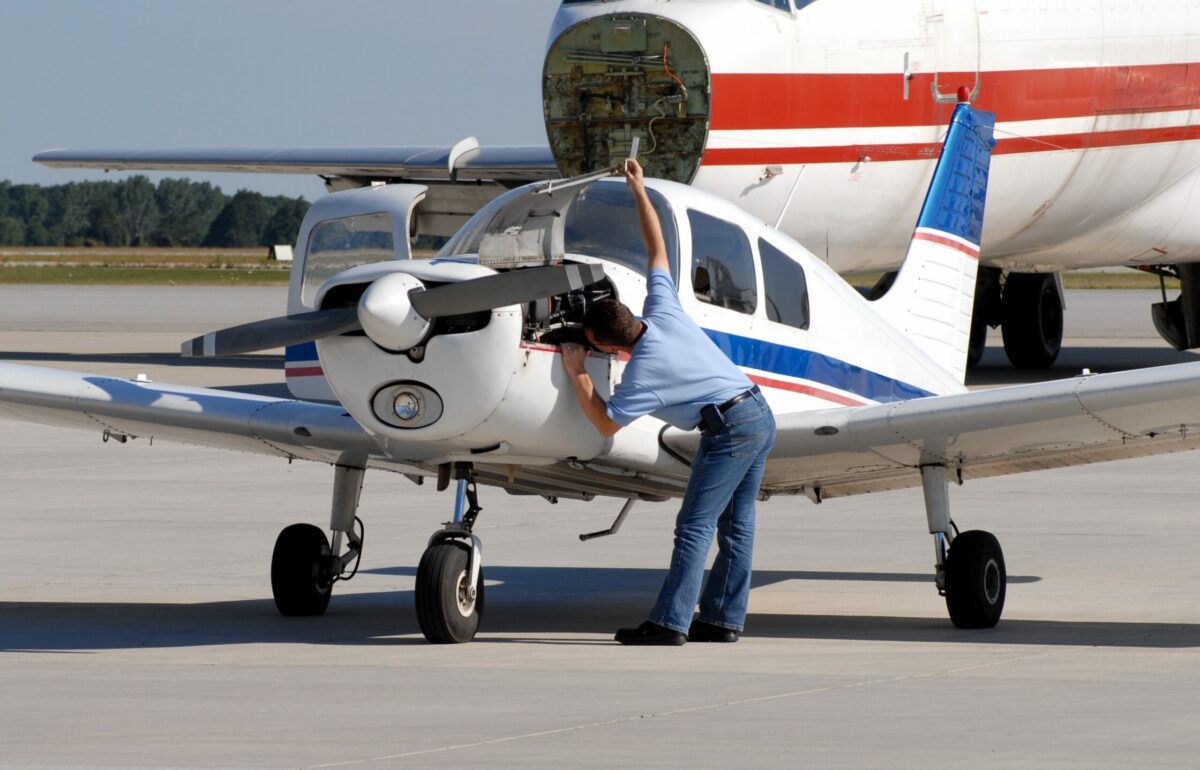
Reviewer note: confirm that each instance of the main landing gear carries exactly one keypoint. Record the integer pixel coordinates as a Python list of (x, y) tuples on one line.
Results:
[(969, 565), (304, 566), (1028, 308)]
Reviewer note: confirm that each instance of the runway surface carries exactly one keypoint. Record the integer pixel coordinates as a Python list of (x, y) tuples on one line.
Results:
[(137, 628)]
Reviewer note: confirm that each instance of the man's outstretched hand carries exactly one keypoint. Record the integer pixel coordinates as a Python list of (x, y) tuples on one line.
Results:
[(632, 171)]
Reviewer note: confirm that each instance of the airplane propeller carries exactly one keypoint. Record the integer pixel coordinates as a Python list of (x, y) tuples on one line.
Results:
[(395, 310)]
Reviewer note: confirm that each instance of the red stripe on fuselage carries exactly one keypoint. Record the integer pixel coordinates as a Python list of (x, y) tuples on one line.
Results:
[(972, 252), (925, 151), (807, 390), (804, 100), (304, 371)]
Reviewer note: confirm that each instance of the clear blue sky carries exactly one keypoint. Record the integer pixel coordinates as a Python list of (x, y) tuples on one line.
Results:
[(275, 73)]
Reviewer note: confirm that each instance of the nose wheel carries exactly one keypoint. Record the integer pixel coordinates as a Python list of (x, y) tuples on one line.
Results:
[(449, 589), (448, 605)]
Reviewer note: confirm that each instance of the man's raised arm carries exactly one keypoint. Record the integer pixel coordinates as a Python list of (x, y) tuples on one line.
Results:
[(656, 248)]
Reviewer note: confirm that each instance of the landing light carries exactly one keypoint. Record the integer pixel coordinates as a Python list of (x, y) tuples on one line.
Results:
[(407, 405)]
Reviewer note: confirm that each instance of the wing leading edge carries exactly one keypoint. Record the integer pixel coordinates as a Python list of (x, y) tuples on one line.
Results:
[(202, 416), (463, 162), (1093, 418)]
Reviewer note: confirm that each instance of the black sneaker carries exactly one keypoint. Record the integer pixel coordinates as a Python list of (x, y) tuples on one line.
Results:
[(651, 633), (707, 632)]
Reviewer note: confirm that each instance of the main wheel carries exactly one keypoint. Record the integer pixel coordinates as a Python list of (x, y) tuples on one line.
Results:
[(1032, 326), (975, 580), (445, 610), (976, 342), (300, 578)]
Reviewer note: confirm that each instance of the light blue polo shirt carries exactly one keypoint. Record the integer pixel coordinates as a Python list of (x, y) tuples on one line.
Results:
[(675, 369)]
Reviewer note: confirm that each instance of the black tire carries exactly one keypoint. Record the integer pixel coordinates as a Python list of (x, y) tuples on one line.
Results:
[(1032, 325), (444, 611), (300, 578), (977, 342), (976, 580)]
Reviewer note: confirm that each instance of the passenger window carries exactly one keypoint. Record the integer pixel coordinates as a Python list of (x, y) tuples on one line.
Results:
[(339, 244), (787, 291), (722, 264), (783, 5)]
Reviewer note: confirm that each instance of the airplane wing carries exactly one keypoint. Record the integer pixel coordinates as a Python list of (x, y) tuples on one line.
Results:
[(205, 416), (463, 162), (983, 433)]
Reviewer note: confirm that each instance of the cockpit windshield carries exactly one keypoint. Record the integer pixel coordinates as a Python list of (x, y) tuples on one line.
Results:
[(602, 222)]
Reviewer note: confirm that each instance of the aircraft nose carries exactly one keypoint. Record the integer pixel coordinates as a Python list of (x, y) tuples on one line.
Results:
[(611, 78)]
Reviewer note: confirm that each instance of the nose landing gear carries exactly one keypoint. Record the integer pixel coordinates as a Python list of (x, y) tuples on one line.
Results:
[(449, 590)]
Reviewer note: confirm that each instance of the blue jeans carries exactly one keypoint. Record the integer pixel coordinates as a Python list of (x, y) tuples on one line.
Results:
[(720, 497)]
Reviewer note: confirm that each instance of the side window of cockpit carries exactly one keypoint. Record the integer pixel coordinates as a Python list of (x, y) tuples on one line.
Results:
[(722, 264), (602, 222), (786, 289), (783, 5), (339, 244)]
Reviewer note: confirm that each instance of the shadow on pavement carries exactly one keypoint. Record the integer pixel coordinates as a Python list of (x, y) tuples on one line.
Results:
[(521, 602), (994, 368)]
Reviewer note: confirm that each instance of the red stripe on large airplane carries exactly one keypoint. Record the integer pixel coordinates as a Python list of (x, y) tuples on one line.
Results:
[(805, 100), (807, 390), (973, 253), (853, 153)]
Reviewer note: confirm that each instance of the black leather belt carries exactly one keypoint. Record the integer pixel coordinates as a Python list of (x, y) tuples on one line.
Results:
[(739, 398)]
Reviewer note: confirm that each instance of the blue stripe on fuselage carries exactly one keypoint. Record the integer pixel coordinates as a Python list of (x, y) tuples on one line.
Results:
[(306, 351), (807, 365), (769, 357)]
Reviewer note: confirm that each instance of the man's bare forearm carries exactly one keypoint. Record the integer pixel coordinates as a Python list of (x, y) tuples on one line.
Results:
[(593, 406), (656, 247)]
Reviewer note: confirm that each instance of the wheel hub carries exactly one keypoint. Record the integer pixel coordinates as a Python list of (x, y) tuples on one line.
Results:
[(465, 595), (991, 581)]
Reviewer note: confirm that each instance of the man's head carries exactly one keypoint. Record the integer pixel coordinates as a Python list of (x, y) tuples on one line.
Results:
[(611, 327)]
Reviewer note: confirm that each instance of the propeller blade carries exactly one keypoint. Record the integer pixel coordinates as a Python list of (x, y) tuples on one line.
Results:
[(272, 333), (512, 288)]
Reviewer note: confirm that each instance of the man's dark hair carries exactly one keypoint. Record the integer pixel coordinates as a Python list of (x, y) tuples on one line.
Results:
[(611, 323)]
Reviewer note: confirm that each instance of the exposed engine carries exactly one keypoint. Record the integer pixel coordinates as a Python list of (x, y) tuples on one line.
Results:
[(559, 319)]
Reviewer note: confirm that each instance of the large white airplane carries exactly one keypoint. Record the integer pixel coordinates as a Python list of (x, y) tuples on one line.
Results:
[(449, 368), (823, 117)]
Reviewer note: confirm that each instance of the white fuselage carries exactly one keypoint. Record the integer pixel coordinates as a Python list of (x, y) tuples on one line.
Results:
[(823, 121)]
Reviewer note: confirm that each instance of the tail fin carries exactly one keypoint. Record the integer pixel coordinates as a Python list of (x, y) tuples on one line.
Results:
[(933, 295)]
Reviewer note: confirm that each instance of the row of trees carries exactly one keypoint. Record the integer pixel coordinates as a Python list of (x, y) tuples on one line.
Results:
[(135, 212)]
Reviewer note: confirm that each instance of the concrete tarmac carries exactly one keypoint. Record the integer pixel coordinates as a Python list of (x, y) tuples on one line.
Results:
[(137, 628)]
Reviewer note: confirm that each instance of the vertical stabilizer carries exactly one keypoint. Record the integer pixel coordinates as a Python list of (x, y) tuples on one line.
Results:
[(933, 295)]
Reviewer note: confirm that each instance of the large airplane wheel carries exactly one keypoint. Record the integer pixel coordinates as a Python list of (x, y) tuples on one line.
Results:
[(446, 611), (976, 581), (977, 342), (300, 578), (1033, 320)]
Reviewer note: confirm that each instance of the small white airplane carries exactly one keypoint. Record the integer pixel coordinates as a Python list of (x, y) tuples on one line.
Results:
[(449, 368), (822, 117)]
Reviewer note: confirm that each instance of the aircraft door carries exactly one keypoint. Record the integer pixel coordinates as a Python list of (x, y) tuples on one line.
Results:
[(952, 28)]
